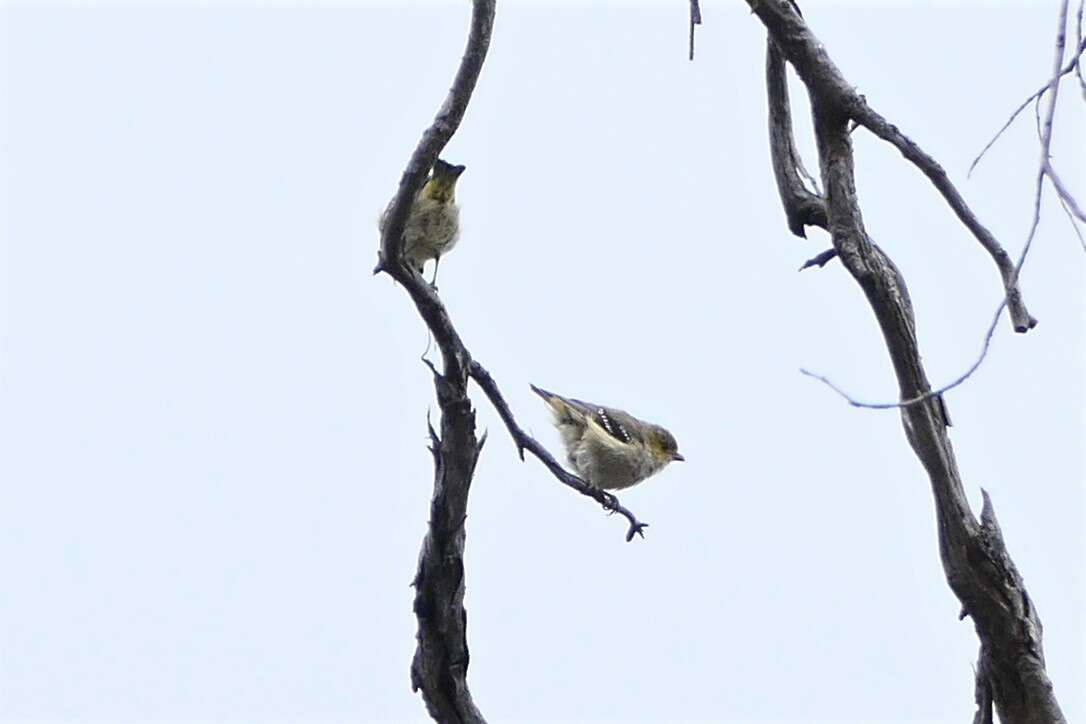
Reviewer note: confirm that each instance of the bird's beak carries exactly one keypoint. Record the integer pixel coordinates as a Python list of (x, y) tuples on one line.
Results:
[(455, 171), (677, 457)]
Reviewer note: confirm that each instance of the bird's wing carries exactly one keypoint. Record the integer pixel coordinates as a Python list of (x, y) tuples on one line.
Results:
[(610, 421)]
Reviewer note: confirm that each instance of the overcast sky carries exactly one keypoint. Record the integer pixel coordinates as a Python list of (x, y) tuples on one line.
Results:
[(213, 472)]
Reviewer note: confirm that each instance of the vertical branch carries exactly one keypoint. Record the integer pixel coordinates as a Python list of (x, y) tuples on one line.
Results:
[(802, 207), (440, 665)]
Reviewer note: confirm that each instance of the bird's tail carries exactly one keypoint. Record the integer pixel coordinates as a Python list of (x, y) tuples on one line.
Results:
[(547, 396), (560, 406)]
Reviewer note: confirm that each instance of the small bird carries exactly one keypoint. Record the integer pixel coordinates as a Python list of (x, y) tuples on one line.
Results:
[(433, 224), (609, 448)]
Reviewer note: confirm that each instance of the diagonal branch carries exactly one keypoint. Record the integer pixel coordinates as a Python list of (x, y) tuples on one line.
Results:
[(867, 117), (524, 441)]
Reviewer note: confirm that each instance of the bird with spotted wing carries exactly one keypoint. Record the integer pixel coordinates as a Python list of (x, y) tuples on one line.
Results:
[(610, 449)]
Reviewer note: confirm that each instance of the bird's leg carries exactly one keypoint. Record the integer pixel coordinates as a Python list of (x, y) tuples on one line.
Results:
[(433, 283)]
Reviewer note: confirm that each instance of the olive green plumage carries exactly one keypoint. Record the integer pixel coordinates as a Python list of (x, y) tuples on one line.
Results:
[(433, 224), (609, 448)]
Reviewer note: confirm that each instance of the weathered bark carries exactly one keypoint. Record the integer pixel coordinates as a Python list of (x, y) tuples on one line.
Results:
[(440, 665), (1011, 671)]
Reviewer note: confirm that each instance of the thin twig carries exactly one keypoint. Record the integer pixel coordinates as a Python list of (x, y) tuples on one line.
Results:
[(1045, 130), (820, 260), (695, 19), (1074, 223), (524, 441), (1066, 198), (1079, 44), (1071, 66)]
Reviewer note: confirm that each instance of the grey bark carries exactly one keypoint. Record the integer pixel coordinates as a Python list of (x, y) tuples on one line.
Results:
[(440, 665), (1011, 670)]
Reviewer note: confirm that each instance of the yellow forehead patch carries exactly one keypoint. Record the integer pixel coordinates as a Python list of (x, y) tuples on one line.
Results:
[(438, 189)]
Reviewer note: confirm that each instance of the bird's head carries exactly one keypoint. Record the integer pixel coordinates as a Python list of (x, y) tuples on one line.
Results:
[(662, 445), (441, 186)]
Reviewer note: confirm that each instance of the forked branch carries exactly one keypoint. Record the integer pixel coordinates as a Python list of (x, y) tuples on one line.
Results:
[(439, 667), (1011, 671), (815, 68)]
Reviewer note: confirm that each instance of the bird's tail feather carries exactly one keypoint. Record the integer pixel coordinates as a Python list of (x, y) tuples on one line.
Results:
[(563, 409), (542, 393)]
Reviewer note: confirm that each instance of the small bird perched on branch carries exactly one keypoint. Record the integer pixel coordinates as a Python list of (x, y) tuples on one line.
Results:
[(609, 448), (433, 224)]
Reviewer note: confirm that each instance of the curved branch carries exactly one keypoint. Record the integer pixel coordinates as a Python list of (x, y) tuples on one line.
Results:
[(802, 207), (869, 119), (390, 256)]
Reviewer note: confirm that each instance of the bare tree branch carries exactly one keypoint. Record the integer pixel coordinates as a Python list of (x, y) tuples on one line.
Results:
[(1073, 65), (436, 136), (820, 260), (802, 207), (1066, 198), (1074, 224), (695, 19), (1080, 42), (439, 668), (982, 692), (818, 71), (440, 665), (865, 116), (978, 569)]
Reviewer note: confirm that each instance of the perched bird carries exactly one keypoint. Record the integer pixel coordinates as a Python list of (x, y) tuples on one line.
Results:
[(609, 448), (433, 224)]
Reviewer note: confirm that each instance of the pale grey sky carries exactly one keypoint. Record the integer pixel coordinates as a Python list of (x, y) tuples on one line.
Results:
[(213, 474)]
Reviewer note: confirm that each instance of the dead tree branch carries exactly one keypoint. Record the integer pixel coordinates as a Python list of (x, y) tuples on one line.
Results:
[(440, 665), (1011, 671), (695, 19), (802, 206), (816, 69), (1074, 65)]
